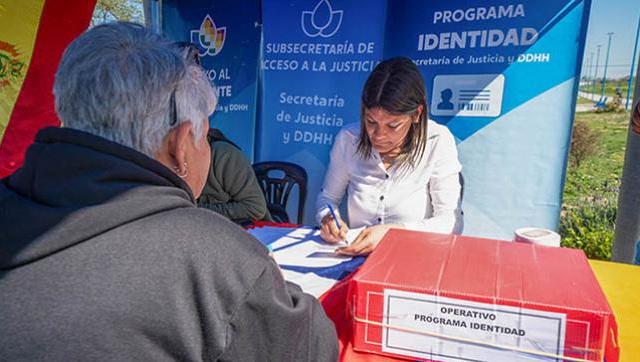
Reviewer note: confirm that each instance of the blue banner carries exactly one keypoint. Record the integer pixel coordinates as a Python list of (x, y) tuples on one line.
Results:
[(228, 36), (503, 77), (317, 54)]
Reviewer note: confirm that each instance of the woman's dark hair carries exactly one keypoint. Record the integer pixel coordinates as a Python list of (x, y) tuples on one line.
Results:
[(396, 86)]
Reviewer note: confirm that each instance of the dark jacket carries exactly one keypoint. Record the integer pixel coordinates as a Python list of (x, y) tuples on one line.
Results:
[(232, 189), (104, 256)]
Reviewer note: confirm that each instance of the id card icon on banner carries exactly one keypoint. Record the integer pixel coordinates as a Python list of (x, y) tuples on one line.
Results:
[(470, 95)]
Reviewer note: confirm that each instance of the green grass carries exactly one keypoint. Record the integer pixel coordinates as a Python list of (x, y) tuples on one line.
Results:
[(591, 189), (601, 172)]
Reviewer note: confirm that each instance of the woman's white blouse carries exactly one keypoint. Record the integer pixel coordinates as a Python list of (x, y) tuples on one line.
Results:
[(425, 198)]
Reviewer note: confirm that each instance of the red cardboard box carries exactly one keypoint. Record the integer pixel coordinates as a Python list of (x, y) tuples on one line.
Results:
[(453, 298)]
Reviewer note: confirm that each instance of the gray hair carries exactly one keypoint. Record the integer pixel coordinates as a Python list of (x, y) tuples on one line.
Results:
[(116, 81)]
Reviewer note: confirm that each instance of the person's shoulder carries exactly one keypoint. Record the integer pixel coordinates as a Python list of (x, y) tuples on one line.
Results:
[(225, 146), (210, 250), (205, 234), (351, 130), (349, 134), (225, 150), (435, 129)]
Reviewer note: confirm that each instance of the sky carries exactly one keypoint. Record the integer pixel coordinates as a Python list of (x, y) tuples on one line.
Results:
[(621, 18)]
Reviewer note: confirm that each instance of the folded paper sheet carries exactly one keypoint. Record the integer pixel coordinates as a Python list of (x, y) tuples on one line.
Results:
[(306, 259)]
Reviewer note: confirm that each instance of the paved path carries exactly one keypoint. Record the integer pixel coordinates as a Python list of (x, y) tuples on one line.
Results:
[(585, 107), (596, 97)]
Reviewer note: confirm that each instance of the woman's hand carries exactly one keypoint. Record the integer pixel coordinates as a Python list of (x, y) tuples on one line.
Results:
[(330, 232), (368, 239)]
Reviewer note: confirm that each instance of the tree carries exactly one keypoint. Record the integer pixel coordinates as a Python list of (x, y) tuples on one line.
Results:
[(114, 10), (584, 143)]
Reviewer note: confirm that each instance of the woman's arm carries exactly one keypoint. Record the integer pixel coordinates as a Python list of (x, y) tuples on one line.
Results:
[(336, 178), (444, 189), (333, 189)]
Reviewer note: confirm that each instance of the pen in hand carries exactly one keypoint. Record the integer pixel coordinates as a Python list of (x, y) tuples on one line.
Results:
[(335, 218)]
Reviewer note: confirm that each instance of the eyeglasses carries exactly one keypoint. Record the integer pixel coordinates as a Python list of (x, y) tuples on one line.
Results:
[(173, 115), (191, 55)]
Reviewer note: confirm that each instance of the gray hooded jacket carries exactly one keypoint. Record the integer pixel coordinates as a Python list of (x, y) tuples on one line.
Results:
[(104, 256)]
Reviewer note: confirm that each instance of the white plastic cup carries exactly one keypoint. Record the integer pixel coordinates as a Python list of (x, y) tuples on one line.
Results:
[(538, 236)]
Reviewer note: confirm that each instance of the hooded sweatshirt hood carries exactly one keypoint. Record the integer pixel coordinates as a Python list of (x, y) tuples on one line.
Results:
[(79, 186)]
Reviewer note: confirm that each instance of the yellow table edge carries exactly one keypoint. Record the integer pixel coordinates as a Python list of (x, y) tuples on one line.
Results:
[(621, 285)]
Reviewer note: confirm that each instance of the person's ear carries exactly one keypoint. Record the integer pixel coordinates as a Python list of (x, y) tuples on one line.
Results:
[(418, 114), (178, 147)]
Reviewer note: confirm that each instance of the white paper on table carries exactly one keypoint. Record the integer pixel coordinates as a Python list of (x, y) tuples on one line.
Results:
[(309, 282), (352, 234), (299, 247), (303, 248)]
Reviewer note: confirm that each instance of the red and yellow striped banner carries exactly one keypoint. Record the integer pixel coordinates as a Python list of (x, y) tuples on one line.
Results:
[(33, 36)]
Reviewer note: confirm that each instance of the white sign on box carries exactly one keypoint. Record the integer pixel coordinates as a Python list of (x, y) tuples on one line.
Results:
[(470, 95), (520, 328)]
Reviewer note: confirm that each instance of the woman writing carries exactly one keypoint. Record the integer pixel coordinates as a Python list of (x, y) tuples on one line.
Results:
[(399, 169)]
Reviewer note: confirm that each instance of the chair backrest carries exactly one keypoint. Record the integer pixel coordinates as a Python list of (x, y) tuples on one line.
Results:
[(277, 179)]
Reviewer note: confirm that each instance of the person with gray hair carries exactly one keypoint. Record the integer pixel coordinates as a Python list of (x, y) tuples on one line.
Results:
[(104, 254), (231, 189)]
